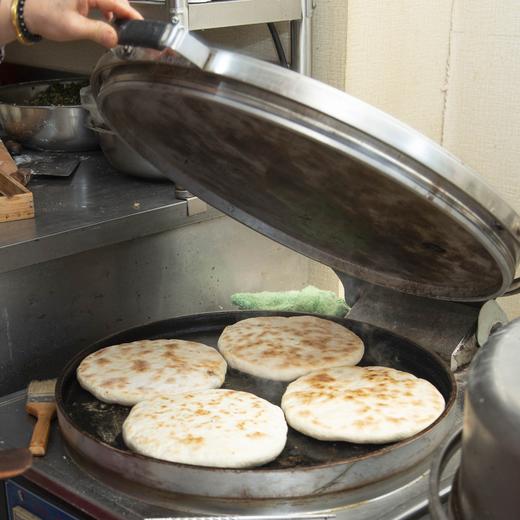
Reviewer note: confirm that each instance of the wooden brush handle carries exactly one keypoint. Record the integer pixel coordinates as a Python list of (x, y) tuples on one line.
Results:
[(44, 412)]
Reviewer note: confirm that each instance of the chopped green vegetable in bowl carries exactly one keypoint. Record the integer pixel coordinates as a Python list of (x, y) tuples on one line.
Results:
[(59, 94)]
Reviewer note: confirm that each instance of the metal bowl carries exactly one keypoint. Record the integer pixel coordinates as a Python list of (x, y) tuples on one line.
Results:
[(123, 158), (58, 128)]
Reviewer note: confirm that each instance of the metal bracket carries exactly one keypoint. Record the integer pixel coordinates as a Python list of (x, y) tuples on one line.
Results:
[(195, 206), (301, 29), (464, 352), (178, 11), (445, 328), (491, 317), (179, 39)]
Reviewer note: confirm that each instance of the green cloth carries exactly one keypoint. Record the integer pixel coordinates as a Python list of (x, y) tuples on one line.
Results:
[(310, 300)]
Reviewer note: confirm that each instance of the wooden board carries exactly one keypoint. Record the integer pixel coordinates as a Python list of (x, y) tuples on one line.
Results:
[(17, 207), (7, 164), (16, 201)]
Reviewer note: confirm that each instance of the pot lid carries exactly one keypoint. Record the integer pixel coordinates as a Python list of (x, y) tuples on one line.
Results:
[(309, 166)]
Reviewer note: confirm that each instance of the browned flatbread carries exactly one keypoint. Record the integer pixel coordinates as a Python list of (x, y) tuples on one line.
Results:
[(286, 348), (361, 404), (132, 372), (219, 428)]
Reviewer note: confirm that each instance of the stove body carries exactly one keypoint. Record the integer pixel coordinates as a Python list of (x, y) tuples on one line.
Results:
[(75, 481)]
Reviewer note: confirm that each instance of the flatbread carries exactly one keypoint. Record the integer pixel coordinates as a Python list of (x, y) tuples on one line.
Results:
[(283, 349), (217, 428), (366, 405), (132, 372)]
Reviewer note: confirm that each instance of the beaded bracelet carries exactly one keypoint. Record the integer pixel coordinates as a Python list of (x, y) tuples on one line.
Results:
[(23, 35)]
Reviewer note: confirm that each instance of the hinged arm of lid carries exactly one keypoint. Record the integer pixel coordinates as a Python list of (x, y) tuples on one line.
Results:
[(161, 35)]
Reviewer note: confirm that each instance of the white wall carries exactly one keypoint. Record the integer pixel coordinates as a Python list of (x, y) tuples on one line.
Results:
[(451, 69)]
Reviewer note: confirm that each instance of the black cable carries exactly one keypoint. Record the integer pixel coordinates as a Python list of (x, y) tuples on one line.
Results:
[(278, 45)]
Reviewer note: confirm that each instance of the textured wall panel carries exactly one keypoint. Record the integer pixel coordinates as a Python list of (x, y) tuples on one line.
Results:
[(330, 42), (253, 40), (482, 123), (396, 58)]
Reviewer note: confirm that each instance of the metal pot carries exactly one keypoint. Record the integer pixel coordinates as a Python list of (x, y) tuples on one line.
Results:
[(58, 128), (123, 158), (488, 476)]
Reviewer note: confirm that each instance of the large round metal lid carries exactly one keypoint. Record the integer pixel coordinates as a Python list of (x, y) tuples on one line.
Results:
[(314, 169)]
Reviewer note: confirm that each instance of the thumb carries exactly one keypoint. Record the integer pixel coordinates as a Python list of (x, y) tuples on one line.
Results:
[(95, 30)]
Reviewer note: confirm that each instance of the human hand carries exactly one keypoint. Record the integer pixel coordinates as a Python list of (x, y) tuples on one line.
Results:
[(67, 20)]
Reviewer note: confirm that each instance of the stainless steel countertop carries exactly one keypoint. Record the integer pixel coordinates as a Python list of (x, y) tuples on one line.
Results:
[(94, 207)]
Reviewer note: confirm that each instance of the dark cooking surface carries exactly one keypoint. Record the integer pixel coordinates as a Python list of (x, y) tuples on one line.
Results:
[(103, 421)]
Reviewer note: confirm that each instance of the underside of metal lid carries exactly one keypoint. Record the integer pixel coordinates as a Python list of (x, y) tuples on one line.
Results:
[(316, 170)]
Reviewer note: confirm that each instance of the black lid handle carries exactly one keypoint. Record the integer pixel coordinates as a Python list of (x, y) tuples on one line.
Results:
[(141, 33)]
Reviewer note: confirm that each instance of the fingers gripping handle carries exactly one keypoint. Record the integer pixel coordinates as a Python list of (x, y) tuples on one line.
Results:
[(142, 33)]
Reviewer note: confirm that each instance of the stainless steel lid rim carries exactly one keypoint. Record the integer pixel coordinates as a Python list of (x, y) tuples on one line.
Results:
[(246, 120), (419, 184), (358, 115)]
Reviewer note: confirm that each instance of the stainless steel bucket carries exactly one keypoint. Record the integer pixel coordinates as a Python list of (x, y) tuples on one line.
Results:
[(486, 486)]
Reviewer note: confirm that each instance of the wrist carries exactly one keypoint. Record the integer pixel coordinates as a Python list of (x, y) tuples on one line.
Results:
[(7, 32)]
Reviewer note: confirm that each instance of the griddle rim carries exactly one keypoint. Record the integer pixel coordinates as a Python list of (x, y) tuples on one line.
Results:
[(208, 321)]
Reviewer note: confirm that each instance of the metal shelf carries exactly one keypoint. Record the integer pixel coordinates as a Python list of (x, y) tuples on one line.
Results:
[(230, 13), (222, 13), (80, 57)]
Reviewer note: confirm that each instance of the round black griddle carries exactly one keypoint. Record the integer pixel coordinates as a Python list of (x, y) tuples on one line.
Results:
[(305, 467)]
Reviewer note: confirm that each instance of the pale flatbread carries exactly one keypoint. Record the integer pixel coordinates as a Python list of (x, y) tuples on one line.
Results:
[(132, 372), (368, 405), (217, 428), (286, 348)]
